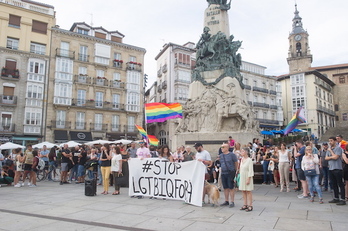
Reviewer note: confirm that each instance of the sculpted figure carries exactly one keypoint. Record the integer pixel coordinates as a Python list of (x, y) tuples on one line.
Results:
[(202, 44)]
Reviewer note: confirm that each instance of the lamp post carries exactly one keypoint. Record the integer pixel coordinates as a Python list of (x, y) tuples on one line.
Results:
[(144, 95)]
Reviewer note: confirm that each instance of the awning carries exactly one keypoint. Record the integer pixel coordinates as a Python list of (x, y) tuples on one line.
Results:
[(81, 136), (60, 136), (268, 126)]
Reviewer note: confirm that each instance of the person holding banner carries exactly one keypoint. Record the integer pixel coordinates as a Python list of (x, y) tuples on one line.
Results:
[(143, 152), (246, 184), (166, 154)]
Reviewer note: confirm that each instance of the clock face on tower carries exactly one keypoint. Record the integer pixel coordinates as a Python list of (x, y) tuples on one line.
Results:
[(298, 37)]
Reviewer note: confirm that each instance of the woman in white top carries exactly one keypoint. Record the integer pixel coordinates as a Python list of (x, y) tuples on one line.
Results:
[(116, 167), (284, 166)]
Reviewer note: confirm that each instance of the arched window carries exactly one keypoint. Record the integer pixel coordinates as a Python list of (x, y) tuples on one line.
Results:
[(162, 135)]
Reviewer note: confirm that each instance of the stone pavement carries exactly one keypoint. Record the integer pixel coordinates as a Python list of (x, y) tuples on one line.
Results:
[(51, 206)]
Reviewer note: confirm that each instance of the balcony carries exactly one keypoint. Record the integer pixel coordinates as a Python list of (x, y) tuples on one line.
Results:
[(32, 129), (264, 105), (117, 63), (101, 81), (180, 64), (272, 92), (115, 127), (99, 127), (247, 87), (273, 107), (164, 84), (14, 74), (80, 125), (116, 84), (60, 124), (323, 84), (260, 89), (133, 66), (159, 88), (325, 110), (165, 68), (65, 53), (83, 57), (182, 81), (159, 73), (265, 121), (97, 104), (9, 100), (129, 128), (7, 128), (84, 79)]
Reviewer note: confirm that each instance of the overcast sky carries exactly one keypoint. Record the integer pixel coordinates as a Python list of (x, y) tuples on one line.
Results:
[(262, 25)]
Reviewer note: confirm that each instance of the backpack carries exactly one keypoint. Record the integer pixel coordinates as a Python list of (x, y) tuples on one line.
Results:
[(41, 164)]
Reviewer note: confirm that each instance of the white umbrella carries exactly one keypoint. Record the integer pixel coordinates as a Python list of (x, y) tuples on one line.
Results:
[(40, 145), (10, 145), (122, 141), (70, 144), (98, 142)]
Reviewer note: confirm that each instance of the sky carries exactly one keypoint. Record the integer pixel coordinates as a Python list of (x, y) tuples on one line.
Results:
[(262, 25)]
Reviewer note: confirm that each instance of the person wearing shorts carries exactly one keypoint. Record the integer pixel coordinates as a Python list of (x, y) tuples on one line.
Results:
[(229, 165), (300, 174), (28, 162), (66, 155)]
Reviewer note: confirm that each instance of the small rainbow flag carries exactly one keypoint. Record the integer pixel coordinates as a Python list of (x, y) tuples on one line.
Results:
[(297, 119), (160, 112), (142, 132), (153, 140)]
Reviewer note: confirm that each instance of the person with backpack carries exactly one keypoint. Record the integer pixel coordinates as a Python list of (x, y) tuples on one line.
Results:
[(35, 168)]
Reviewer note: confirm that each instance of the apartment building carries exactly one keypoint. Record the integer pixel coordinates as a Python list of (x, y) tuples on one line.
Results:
[(96, 85), (24, 57)]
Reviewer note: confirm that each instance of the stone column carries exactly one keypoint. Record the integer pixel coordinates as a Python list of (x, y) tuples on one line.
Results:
[(217, 20)]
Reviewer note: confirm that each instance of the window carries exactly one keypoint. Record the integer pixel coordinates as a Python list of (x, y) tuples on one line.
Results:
[(36, 70), (133, 81), (81, 97), (99, 97), (100, 73), (264, 115), (64, 49), (62, 93), (183, 76), (342, 79), (116, 76), (133, 101), (255, 98), (80, 120), (35, 91), (116, 101), (14, 21), (115, 123), (162, 138), (83, 55), (64, 69), (6, 121), (298, 91), (82, 31), (117, 60), (12, 43), (32, 116), (39, 27), (38, 48), (246, 81), (345, 116), (131, 124), (297, 79), (264, 85), (102, 54), (82, 70), (100, 35), (60, 119), (117, 56), (264, 100), (255, 83), (98, 119), (297, 103)]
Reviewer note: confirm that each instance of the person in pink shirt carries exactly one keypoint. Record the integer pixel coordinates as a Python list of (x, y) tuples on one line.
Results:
[(143, 151), (231, 141)]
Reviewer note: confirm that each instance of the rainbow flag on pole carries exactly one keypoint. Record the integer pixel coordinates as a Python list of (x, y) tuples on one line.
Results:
[(160, 112), (297, 119), (142, 132), (153, 140)]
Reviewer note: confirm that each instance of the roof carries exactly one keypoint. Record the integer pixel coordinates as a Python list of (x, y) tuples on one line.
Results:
[(309, 72), (329, 67), (95, 28), (167, 45), (38, 3)]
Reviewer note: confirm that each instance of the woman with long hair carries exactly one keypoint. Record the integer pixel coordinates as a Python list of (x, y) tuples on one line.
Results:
[(284, 166), (246, 184), (166, 154), (116, 167), (105, 168), (52, 157), (275, 159), (19, 167), (310, 166)]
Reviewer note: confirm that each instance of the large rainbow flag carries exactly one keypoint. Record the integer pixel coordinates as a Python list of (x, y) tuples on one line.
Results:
[(142, 132), (153, 140), (160, 112), (297, 119)]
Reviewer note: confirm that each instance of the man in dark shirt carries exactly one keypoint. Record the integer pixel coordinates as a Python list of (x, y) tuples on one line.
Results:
[(75, 160), (81, 166), (300, 174), (66, 155)]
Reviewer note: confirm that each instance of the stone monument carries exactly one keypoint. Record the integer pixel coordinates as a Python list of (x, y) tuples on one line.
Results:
[(217, 106)]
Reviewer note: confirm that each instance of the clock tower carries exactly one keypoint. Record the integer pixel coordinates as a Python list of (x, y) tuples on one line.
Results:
[(299, 56)]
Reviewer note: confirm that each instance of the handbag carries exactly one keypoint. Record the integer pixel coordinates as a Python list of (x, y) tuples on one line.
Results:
[(122, 180), (271, 165), (237, 179), (310, 172)]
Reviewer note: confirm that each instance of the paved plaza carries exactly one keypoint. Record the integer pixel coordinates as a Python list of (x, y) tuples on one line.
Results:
[(51, 206)]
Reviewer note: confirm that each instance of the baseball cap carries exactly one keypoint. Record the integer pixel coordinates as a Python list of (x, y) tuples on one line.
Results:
[(324, 143), (197, 145)]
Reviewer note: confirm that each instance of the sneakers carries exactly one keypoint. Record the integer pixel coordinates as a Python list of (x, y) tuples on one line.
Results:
[(341, 202), (33, 186), (17, 185), (302, 197), (334, 201), (231, 205), (215, 181), (312, 199), (225, 203), (29, 184), (321, 201)]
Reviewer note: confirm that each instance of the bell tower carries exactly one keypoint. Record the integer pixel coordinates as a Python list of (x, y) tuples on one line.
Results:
[(299, 55)]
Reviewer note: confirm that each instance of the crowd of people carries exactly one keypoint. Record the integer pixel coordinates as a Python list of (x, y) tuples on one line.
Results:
[(314, 168)]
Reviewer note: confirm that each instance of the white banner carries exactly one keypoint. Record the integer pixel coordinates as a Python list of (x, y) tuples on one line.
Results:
[(163, 179)]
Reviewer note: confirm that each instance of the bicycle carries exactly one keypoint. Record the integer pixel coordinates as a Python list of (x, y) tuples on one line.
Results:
[(42, 174)]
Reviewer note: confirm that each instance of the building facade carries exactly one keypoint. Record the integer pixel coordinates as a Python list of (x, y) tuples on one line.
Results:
[(96, 85), (24, 56), (174, 65)]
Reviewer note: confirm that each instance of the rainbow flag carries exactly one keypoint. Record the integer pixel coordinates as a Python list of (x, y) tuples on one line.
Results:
[(153, 140), (297, 119), (160, 112), (142, 132)]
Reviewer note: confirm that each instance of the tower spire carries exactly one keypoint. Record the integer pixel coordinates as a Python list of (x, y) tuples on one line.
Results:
[(297, 23)]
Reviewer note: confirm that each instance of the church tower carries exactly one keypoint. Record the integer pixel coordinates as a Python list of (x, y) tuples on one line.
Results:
[(299, 56)]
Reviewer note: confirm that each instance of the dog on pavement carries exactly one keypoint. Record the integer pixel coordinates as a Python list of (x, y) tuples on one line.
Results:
[(213, 193)]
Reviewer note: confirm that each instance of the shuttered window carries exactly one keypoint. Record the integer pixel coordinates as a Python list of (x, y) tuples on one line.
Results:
[(116, 39), (9, 91), (100, 35), (14, 20), (11, 65), (39, 27)]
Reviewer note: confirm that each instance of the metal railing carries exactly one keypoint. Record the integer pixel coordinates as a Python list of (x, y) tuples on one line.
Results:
[(99, 127), (65, 53), (61, 124), (8, 99), (7, 128), (260, 89), (5, 72), (83, 57)]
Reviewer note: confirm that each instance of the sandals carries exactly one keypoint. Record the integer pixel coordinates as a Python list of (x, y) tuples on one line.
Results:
[(244, 207), (249, 208), (116, 193)]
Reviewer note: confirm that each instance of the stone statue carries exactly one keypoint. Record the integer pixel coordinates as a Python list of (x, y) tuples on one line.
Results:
[(223, 4)]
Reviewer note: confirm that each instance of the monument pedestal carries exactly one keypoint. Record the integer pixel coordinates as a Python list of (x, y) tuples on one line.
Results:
[(217, 19)]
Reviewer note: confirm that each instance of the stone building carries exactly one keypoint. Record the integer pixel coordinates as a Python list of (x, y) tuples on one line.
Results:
[(313, 88), (96, 84), (174, 65), (24, 57)]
